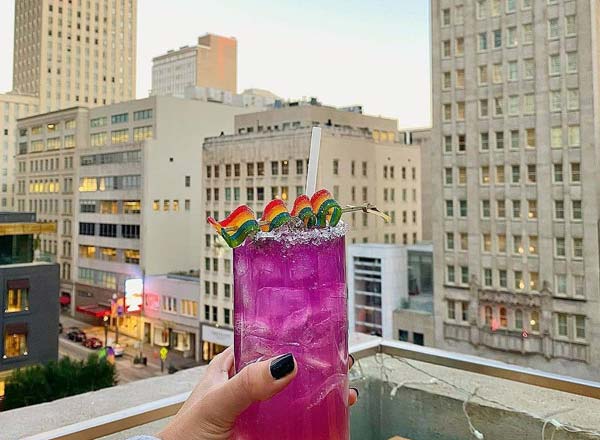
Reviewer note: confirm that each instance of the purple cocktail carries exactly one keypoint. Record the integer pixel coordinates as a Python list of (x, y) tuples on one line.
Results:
[(290, 296)]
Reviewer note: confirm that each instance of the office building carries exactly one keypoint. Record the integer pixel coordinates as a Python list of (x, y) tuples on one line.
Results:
[(28, 296), (422, 138), (45, 179), (12, 107), (76, 52), (515, 194), (212, 63), (138, 202), (390, 291), (362, 159)]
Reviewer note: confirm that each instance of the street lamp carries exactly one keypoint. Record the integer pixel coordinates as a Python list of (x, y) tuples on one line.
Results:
[(105, 319)]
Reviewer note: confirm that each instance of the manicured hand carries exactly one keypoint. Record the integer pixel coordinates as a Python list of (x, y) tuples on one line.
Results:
[(220, 396)]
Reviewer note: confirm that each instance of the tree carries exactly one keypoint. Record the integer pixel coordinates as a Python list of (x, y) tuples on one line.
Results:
[(55, 380)]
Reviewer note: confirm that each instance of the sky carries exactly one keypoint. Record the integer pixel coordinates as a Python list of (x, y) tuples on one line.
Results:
[(344, 52)]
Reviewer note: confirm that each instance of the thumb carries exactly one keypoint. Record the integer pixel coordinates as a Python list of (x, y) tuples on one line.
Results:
[(256, 382)]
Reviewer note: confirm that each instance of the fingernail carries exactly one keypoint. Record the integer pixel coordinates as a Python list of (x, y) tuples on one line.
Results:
[(353, 360), (357, 393), (282, 366)]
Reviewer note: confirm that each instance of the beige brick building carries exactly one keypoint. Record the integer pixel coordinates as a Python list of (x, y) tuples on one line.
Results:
[(515, 186), (212, 63), (362, 159)]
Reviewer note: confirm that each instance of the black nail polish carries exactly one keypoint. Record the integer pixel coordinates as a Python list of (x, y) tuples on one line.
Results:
[(353, 360), (282, 366), (357, 393)]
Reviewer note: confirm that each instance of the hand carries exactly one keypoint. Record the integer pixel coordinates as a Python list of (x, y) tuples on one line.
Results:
[(220, 396)]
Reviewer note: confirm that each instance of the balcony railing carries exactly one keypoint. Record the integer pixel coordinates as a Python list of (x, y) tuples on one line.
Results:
[(429, 361)]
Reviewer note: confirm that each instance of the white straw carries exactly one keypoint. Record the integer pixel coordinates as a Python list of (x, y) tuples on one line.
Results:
[(313, 161)]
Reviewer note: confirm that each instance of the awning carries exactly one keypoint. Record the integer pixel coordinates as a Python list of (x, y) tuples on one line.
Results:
[(95, 310), (65, 300)]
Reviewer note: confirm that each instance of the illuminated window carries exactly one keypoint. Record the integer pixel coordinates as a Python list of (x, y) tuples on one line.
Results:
[(132, 207), (503, 318), (15, 341), (108, 254), (17, 300), (119, 136), (156, 205), (87, 251), (534, 321), (132, 256), (142, 133), (488, 315)]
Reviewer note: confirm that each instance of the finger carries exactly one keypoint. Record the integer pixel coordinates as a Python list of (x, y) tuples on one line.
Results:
[(352, 396), (256, 382), (351, 361)]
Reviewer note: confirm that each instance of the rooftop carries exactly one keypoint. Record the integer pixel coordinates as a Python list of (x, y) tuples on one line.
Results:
[(415, 392)]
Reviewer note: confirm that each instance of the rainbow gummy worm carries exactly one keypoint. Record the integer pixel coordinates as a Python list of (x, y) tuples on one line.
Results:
[(276, 214), (303, 210), (325, 208), (241, 218)]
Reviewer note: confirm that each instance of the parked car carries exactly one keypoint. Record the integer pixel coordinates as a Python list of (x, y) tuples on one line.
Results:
[(118, 350), (76, 334), (93, 343)]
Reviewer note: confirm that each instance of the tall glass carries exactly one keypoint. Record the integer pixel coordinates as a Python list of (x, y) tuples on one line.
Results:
[(290, 296)]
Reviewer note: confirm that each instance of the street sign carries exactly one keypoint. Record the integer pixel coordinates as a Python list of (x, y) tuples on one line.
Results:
[(163, 353)]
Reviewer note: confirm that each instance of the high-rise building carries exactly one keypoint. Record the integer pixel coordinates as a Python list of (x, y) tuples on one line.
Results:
[(75, 52), (515, 190), (362, 159), (12, 107), (212, 63), (28, 296)]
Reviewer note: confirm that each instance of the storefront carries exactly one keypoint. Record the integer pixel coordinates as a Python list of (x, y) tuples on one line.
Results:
[(214, 341), (176, 339)]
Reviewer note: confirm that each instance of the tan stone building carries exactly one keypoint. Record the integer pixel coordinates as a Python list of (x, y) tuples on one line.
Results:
[(212, 63), (515, 187), (75, 53), (362, 159), (45, 180)]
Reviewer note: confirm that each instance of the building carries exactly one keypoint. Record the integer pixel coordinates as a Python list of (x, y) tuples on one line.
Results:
[(422, 137), (75, 53), (256, 98), (138, 203), (212, 63), (46, 167), (12, 107), (390, 291), (28, 296), (515, 194), (171, 319), (362, 158)]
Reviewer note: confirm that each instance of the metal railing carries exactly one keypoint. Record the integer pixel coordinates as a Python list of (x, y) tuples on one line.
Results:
[(160, 409)]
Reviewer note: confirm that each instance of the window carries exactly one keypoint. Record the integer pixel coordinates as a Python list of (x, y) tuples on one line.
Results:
[(119, 119), (485, 208), (451, 309), (511, 36), (553, 28), (501, 208), (527, 33), (483, 108), (532, 209), (484, 141), (529, 103), (535, 321), (503, 318), (169, 304), (517, 245), (462, 175), (446, 49), (513, 71), (449, 241), (142, 114), (481, 9), (119, 136), (513, 105), (98, 139), (206, 312), (580, 327), (528, 68), (570, 25), (502, 278), (487, 277), (142, 133), (448, 176), (515, 174), (462, 142), (530, 136), (487, 243), (227, 316), (554, 65), (519, 319), (497, 73), (482, 75), (561, 284), (215, 314), (488, 313), (132, 256), (556, 137), (576, 213), (189, 308), (482, 39), (87, 228), (188, 181), (561, 319), (108, 230), (559, 210), (449, 208), (446, 17), (497, 38), (531, 173), (464, 241), (463, 208), (464, 275), (459, 15), (130, 231), (499, 140), (459, 47), (336, 166), (98, 122), (450, 276), (485, 175), (15, 340), (578, 248), (519, 280), (578, 286), (448, 144), (17, 299), (575, 172), (555, 101), (571, 62), (574, 136), (364, 169), (559, 247), (498, 106), (447, 112)]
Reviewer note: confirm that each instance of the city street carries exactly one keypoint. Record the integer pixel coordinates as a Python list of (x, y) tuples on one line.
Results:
[(127, 371)]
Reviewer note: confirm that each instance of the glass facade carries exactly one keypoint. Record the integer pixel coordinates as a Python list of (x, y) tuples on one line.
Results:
[(16, 249)]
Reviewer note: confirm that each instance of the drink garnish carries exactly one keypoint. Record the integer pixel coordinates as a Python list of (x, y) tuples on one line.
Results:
[(274, 215), (237, 226)]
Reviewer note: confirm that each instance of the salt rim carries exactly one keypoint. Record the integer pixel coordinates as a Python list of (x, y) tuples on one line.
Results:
[(294, 232)]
